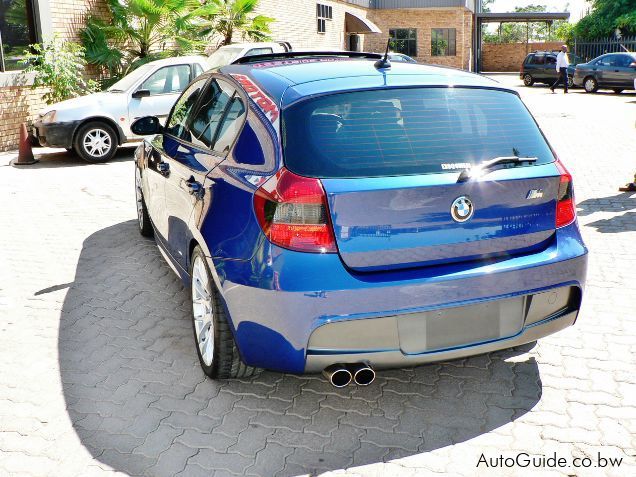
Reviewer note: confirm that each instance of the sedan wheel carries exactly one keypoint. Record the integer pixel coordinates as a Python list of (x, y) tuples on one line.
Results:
[(591, 85), (96, 142), (570, 81)]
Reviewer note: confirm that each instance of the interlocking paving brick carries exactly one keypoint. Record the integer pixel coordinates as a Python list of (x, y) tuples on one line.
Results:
[(116, 389)]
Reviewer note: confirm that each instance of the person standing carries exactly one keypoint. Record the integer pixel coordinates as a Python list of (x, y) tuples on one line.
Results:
[(562, 64)]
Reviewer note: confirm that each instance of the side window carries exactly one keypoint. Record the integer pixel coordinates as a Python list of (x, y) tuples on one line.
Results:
[(210, 113), (539, 60), (198, 69), (167, 80), (230, 126), (217, 121), (259, 51), (550, 60), (604, 61), (181, 112), (624, 61), (529, 59)]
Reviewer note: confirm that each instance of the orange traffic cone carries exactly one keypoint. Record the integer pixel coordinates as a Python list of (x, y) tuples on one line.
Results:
[(25, 152), (631, 187)]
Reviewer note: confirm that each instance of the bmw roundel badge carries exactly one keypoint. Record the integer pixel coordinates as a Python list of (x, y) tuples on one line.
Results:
[(462, 209)]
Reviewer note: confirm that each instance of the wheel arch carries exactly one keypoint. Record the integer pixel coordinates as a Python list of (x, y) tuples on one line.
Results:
[(101, 119)]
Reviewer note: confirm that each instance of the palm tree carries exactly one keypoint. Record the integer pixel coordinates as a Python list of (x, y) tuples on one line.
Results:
[(139, 31), (234, 16)]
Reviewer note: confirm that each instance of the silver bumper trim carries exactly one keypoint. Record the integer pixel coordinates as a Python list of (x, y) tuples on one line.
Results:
[(396, 359)]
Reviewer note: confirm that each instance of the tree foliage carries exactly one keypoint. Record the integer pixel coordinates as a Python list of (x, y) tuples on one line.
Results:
[(59, 66), (139, 31), (532, 31), (606, 16), (237, 16)]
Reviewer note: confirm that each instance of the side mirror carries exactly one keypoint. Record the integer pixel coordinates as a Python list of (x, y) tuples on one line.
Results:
[(141, 93), (146, 126)]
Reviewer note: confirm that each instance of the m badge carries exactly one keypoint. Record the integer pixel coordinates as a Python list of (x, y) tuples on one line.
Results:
[(534, 194)]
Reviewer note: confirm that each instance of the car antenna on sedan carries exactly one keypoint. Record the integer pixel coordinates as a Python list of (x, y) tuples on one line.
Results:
[(384, 61)]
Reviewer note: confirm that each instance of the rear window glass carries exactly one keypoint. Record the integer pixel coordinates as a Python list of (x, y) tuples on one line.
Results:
[(407, 131)]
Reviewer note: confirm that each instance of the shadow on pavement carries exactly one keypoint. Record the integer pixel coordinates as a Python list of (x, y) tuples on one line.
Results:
[(140, 403), (64, 158), (623, 202)]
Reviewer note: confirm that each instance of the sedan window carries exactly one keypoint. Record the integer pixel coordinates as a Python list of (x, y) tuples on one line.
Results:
[(168, 80), (623, 61), (604, 61)]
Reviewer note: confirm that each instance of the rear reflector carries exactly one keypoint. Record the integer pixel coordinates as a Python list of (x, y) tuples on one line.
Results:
[(293, 213), (565, 208)]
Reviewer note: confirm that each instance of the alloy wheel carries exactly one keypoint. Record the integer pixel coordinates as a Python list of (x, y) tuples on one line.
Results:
[(203, 310), (97, 142)]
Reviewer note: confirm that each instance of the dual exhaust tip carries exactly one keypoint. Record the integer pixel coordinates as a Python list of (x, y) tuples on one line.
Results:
[(341, 375)]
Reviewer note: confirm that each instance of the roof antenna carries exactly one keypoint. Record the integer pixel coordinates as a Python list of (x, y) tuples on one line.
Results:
[(384, 62)]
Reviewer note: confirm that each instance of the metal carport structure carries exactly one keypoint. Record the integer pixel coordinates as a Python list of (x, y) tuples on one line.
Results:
[(510, 17)]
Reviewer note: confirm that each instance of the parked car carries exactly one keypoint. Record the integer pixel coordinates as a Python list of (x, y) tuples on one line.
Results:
[(616, 71), (229, 53), (96, 124), (401, 58), (540, 67), (330, 214)]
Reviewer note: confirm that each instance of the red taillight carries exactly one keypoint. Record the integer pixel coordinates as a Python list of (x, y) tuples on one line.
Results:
[(293, 213), (566, 208)]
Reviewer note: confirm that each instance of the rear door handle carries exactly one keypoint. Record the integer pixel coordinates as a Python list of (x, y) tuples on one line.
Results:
[(163, 168)]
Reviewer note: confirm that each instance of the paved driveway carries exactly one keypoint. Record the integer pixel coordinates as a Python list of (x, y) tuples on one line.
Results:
[(98, 371)]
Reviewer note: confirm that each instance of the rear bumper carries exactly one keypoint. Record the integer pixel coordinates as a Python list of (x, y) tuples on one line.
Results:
[(278, 300)]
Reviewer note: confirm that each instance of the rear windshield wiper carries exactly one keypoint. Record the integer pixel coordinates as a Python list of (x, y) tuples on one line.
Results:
[(488, 166)]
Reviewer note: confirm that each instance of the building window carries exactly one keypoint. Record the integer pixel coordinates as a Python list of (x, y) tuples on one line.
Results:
[(443, 42), (323, 13), (404, 40), (17, 32)]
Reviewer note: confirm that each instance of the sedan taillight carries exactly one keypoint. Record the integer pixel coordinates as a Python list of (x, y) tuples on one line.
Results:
[(565, 208), (292, 211)]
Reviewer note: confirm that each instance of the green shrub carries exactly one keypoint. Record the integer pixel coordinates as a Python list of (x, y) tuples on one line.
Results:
[(59, 66)]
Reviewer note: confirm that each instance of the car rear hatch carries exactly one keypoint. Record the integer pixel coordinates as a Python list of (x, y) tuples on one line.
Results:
[(390, 163)]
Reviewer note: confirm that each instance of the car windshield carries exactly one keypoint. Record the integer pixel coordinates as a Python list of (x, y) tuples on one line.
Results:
[(407, 131), (129, 80), (224, 56)]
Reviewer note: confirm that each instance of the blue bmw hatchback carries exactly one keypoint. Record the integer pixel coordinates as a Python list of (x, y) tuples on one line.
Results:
[(333, 212)]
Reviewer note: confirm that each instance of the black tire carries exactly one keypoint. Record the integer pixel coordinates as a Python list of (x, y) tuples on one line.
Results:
[(570, 81), (104, 150), (590, 84), (143, 218), (618, 90), (226, 362), (528, 80)]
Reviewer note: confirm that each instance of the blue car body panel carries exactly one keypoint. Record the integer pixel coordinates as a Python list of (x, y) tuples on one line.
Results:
[(276, 298)]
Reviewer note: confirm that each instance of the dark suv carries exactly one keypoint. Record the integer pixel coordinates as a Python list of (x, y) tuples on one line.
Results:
[(540, 67)]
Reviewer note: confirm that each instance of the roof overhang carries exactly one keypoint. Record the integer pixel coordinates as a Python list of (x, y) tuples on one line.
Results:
[(357, 24), (522, 17)]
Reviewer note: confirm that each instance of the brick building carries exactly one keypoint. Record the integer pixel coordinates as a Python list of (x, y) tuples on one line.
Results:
[(432, 31)]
